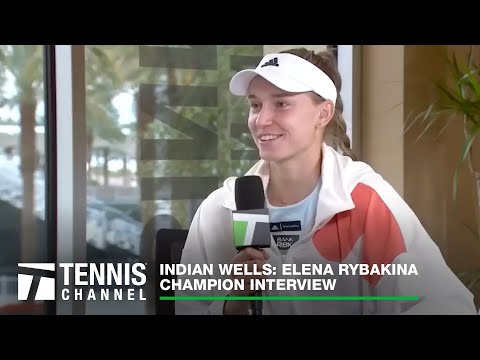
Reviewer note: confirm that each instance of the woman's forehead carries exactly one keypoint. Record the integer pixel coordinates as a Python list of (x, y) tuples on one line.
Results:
[(262, 87)]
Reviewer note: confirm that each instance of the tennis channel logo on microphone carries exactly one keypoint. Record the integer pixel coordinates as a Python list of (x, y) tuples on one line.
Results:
[(251, 228), (82, 281)]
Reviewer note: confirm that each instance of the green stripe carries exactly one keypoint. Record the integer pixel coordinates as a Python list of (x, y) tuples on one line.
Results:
[(239, 230), (329, 298)]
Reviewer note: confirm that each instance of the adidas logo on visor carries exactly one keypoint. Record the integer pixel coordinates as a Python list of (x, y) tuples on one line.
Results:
[(271, 62)]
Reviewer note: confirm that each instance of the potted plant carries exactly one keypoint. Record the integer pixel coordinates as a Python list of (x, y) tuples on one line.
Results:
[(459, 101)]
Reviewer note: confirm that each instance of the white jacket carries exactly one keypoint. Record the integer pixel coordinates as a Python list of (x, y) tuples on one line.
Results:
[(360, 219)]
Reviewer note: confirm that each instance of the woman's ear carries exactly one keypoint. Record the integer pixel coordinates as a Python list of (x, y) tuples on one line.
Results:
[(327, 109)]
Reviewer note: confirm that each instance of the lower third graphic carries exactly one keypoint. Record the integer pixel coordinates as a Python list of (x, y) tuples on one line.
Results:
[(36, 281)]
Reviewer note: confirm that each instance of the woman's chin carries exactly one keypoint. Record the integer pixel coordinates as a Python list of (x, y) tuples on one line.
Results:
[(270, 156)]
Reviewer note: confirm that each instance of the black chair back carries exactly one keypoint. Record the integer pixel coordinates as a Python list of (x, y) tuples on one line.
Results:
[(169, 245)]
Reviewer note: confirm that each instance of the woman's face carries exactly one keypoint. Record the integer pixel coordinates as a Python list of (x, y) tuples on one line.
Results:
[(284, 125)]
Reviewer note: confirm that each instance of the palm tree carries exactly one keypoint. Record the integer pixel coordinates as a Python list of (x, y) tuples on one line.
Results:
[(112, 70), (25, 63), (101, 115)]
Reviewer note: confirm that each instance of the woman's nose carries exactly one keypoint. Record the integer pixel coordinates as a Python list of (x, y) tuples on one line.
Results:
[(264, 117)]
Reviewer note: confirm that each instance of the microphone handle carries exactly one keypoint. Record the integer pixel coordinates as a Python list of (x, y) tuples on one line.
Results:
[(256, 305)]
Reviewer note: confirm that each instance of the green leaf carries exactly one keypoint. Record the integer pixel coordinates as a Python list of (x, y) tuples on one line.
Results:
[(471, 83), (455, 70), (466, 148), (449, 95), (423, 115), (431, 121), (470, 57), (447, 123)]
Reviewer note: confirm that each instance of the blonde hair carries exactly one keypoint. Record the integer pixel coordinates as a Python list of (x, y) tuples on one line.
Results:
[(336, 132)]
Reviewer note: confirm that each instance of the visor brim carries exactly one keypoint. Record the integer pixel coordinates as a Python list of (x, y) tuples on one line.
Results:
[(241, 81)]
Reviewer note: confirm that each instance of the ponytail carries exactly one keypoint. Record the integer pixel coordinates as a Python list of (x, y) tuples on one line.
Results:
[(337, 131)]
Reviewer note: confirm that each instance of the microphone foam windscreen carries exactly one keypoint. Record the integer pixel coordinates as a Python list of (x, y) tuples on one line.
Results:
[(249, 193)]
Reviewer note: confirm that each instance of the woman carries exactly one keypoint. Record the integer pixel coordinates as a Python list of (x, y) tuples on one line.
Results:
[(325, 208)]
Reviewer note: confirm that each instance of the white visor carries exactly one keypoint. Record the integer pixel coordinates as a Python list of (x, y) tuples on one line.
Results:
[(288, 72)]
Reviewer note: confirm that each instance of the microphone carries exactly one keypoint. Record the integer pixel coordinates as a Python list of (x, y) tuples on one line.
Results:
[(251, 223)]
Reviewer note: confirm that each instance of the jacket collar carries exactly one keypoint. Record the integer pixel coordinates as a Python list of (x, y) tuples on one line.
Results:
[(335, 193)]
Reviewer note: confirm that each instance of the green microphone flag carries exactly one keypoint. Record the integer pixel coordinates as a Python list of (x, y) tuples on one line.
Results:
[(251, 228)]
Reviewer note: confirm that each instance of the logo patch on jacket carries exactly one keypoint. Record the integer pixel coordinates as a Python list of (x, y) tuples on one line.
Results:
[(284, 242), (286, 226)]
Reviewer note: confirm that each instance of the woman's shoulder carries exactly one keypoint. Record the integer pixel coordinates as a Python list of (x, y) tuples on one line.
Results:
[(352, 171), (358, 175), (221, 199)]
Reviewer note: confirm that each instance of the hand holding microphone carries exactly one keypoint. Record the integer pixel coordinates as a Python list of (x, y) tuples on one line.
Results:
[(251, 234), (250, 256)]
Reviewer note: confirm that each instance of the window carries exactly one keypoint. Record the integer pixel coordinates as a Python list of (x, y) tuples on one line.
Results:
[(162, 132), (23, 176)]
